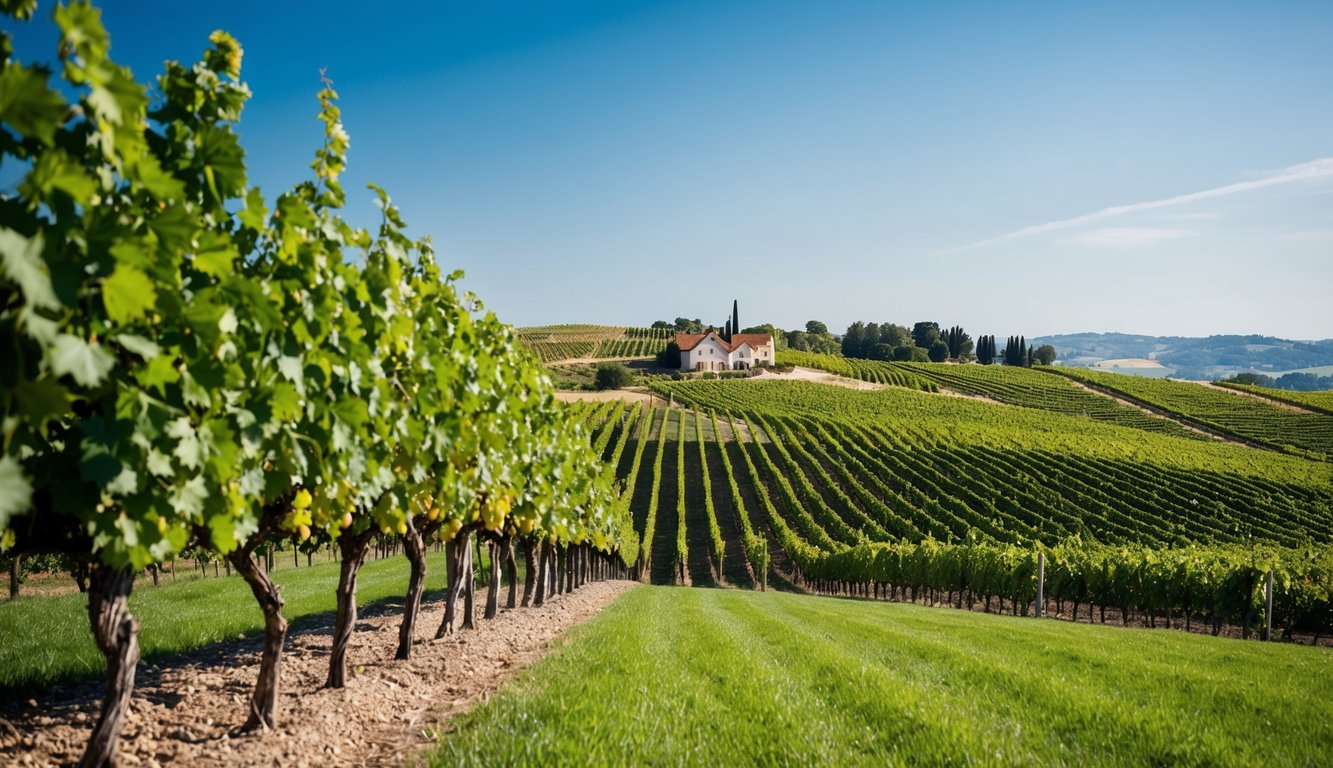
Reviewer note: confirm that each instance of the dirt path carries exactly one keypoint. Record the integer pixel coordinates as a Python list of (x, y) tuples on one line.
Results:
[(821, 377), (183, 710), (1265, 400), (628, 395)]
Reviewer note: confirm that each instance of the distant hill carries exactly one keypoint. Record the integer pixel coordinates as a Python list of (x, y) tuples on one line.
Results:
[(1185, 357)]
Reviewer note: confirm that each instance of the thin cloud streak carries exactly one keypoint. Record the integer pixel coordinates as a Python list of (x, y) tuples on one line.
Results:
[(1126, 236), (1315, 169)]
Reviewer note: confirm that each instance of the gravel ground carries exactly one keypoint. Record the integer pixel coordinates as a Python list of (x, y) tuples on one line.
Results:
[(185, 710)]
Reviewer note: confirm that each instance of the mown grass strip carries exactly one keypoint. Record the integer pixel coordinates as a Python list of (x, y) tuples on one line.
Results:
[(733, 677)]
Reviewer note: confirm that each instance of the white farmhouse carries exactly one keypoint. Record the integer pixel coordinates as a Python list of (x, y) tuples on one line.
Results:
[(714, 352)]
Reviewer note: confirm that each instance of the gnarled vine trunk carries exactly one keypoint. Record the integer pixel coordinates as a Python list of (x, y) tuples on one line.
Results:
[(543, 577), (458, 560), (264, 699), (511, 573), (469, 577), (117, 634), (414, 547), (493, 581), (353, 548), (530, 572)]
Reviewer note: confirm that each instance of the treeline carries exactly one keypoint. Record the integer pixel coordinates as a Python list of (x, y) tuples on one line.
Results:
[(1292, 382)]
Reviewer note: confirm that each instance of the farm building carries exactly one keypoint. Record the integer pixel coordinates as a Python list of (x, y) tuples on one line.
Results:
[(713, 351)]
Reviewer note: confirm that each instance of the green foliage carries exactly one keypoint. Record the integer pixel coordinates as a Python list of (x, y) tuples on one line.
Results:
[(612, 376), (181, 354)]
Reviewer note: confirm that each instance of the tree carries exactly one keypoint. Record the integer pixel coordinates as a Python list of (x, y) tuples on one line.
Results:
[(815, 327), (882, 352), (854, 340), (735, 326), (939, 351), (925, 334), (669, 357), (960, 344), (614, 376), (661, 325), (911, 354), (986, 350), (1044, 355)]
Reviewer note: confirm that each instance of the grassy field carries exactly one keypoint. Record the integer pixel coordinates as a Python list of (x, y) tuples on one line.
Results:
[(677, 676), (44, 640)]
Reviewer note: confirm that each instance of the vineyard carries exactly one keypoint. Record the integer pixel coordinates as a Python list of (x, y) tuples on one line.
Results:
[(555, 343), (198, 378), (1246, 418), (892, 490), (1315, 401)]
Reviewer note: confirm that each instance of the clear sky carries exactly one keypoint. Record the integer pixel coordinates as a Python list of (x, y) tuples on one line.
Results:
[(1161, 168)]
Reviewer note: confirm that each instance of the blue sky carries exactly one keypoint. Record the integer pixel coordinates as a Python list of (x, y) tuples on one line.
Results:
[(1045, 168)]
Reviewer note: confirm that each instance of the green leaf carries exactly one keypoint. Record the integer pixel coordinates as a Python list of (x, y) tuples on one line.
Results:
[(286, 402), (188, 499), (15, 491), (188, 448), (159, 372), (223, 529), (159, 464), (28, 105), (138, 345), (19, 9), (203, 318), (216, 255), (41, 400), (127, 294), (87, 363), (352, 411), (54, 170), (224, 160), (23, 263), (157, 181), (254, 212)]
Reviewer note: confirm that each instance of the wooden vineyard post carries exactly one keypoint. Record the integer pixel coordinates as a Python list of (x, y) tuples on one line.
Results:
[(1268, 607), (1041, 582)]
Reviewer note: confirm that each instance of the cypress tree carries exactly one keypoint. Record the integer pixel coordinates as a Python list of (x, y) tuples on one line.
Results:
[(735, 317)]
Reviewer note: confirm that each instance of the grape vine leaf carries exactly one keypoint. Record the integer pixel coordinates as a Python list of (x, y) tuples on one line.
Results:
[(22, 260), (87, 363), (127, 294), (15, 491)]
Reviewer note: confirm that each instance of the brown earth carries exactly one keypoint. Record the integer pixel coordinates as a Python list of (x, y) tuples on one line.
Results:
[(185, 711)]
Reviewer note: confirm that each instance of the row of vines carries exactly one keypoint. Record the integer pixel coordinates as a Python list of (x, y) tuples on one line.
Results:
[(850, 489), (189, 365)]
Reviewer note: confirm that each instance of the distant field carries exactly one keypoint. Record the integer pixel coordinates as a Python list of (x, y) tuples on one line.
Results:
[(737, 677), (555, 343)]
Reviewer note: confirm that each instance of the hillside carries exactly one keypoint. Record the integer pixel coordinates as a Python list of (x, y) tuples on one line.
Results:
[(1184, 357), (818, 478)]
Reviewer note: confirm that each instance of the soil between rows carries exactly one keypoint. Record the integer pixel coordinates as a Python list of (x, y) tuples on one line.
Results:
[(185, 709)]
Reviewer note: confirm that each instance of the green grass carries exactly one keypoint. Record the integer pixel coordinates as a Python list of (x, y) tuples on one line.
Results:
[(679, 676), (45, 640)]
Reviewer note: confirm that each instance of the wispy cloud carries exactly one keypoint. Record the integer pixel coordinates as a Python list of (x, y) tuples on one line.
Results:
[(1315, 169), (1126, 236)]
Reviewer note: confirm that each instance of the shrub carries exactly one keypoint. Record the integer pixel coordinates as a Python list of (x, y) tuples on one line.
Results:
[(612, 376)]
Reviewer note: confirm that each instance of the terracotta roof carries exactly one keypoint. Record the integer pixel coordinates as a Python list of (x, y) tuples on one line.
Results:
[(688, 341)]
